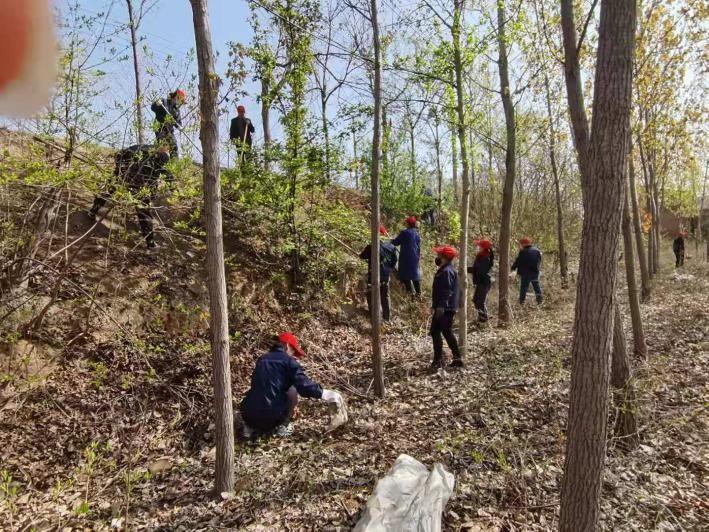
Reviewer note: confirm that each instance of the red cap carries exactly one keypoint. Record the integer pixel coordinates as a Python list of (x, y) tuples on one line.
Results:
[(448, 252), (525, 241), (485, 244), (383, 230), (411, 221), (291, 340), (181, 94), (241, 108)]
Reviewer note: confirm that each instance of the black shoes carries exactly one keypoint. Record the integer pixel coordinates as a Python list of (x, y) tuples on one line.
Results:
[(458, 363)]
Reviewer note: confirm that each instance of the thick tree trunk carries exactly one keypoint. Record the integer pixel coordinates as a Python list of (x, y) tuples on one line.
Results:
[(563, 259), (638, 230), (136, 72), (625, 426), (376, 307), (510, 171), (458, 6), (216, 281), (603, 173), (639, 346)]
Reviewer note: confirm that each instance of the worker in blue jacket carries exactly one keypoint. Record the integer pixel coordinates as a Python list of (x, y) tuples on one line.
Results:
[(409, 270), (444, 302), (482, 265), (277, 381), (388, 257), (528, 265)]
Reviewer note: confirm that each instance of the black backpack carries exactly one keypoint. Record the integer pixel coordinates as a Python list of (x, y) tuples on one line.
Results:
[(388, 257)]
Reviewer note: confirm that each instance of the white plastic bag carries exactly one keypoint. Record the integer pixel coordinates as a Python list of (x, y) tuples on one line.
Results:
[(410, 498)]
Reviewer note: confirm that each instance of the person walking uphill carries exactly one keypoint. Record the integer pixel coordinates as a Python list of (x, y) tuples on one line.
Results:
[(277, 381), (140, 167), (678, 249), (240, 132), (167, 115), (388, 257), (444, 302), (480, 269), (409, 270), (528, 264)]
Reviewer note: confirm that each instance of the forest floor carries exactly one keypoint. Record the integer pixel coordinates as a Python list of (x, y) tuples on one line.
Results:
[(108, 426)]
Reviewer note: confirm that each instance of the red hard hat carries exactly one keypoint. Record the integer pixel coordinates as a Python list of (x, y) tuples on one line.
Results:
[(525, 241), (383, 230), (485, 244), (241, 108), (448, 252), (411, 221), (291, 340)]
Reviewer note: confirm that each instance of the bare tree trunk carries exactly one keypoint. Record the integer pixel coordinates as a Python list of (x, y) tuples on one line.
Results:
[(412, 155), (458, 6), (625, 427), (326, 134), (454, 162), (699, 237), (637, 227), (439, 169), (510, 171), (216, 282), (136, 71), (356, 159), (266, 121), (640, 348), (376, 306), (563, 259), (603, 172)]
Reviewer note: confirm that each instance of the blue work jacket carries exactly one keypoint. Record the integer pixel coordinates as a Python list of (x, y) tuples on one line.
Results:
[(445, 289), (410, 255)]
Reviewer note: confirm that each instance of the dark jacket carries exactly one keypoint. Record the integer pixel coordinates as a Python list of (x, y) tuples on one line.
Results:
[(385, 266), (164, 109), (240, 126), (141, 166), (445, 289), (410, 242), (481, 268), (678, 244), (528, 262), (274, 374)]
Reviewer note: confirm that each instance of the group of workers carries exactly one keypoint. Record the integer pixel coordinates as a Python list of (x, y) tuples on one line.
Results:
[(141, 166)]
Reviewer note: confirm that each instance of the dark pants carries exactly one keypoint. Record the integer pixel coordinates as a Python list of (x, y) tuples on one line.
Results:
[(679, 258), (384, 296), (412, 287), (479, 299), (267, 423), (443, 328), (166, 135), (524, 286), (144, 212)]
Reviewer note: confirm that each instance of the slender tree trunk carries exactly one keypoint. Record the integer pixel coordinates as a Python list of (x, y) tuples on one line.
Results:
[(454, 162), (510, 170), (376, 306), (625, 427), (384, 141), (603, 166), (563, 259), (458, 6), (326, 134), (639, 346), (266, 121), (356, 159), (652, 269), (439, 169), (136, 71), (412, 156), (216, 282), (637, 227)]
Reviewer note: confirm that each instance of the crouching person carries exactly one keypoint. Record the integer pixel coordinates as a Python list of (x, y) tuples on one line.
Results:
[(277, 381)]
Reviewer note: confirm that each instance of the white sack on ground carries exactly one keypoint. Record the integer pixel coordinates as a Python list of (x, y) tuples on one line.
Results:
[(410, 498)]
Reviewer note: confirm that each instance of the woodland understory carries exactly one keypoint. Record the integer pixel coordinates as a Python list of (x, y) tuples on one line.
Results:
[(105, 413)]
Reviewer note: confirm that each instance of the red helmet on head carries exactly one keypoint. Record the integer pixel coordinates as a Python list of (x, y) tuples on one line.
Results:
[(484, 243), (383, 230), (411, 221), (525, 241), (241, 109), (290, 339), (180, 94), (448, 252)]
